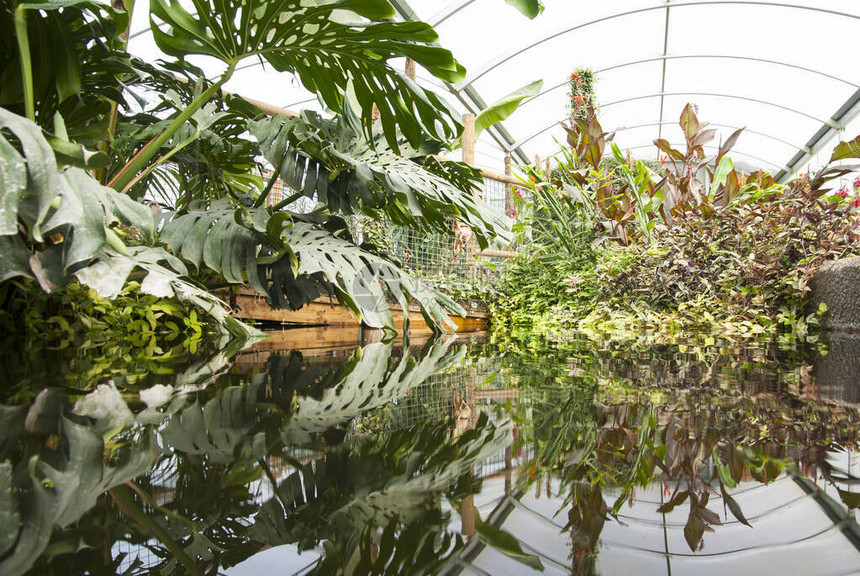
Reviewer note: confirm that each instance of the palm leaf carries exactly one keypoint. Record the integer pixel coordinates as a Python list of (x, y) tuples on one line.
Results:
[(333, 48), (506, 106)]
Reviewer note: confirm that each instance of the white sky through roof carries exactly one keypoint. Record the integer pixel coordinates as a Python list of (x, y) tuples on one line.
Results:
[(780, 69)]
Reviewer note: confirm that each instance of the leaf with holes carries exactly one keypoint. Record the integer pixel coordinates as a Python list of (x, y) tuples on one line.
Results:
[(362, 281), (337, 47), (221, 239), (327, 160)]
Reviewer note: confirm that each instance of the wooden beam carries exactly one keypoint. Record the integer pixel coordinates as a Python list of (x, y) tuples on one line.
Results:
[(469, 139), (269, 109), (489, 253), (509, 196), (501, 177), (248, 305)]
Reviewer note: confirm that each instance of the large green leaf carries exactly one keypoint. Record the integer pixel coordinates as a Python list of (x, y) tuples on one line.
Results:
[(220, 240), (86, 212), (13, 183), (71, 206), (327, 160), (36, 522), (43, 180), (387, 477), (57, 487), (330, 45), (10, 519), (375, 377), (506, 106), (362, 281)]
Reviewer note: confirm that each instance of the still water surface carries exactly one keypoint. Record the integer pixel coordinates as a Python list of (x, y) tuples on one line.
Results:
[(572, 456)]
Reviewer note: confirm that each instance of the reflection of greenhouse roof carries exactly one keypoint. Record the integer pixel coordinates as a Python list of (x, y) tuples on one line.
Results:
[(784, 70), (792, 533)]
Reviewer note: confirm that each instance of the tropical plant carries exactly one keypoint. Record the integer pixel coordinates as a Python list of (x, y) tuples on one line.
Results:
[(712, 247), (685, 188), (189, 152)]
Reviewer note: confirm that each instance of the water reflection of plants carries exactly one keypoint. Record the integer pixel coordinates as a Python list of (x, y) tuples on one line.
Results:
[(280, 437), (602, 455), (609, 419)]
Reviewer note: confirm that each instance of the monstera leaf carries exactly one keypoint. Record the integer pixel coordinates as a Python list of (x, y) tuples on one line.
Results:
[(375, 376), (391, 476), (328, 160), (293, 263), (335, 47), (220, 240), (362, 281)]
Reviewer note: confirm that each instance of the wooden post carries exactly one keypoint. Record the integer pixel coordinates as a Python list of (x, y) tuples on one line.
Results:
[(509, 196), (469, 139), (469, 158), (467, 515), (410, 68)]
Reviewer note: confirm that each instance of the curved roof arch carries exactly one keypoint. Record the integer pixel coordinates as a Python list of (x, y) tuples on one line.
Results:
[(716, 94), (756, 64), (501, 59)]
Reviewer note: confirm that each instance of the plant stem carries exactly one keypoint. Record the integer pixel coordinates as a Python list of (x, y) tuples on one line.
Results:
[(161, 160), (26, 62), (104, 146), (287, 201), (128, 172), (274, 178), (123, 498)]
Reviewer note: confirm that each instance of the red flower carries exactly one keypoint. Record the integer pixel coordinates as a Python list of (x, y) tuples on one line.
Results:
[(663, 159), (857, 182), (513, 212), (842, 193)]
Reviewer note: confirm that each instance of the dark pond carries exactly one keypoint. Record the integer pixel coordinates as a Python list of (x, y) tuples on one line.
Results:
[(444, 456)]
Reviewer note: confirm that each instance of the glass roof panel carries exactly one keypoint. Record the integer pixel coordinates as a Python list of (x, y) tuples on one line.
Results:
[(772, 96)]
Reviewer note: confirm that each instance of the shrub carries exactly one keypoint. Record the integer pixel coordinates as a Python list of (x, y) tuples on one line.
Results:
[(749, 259)]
